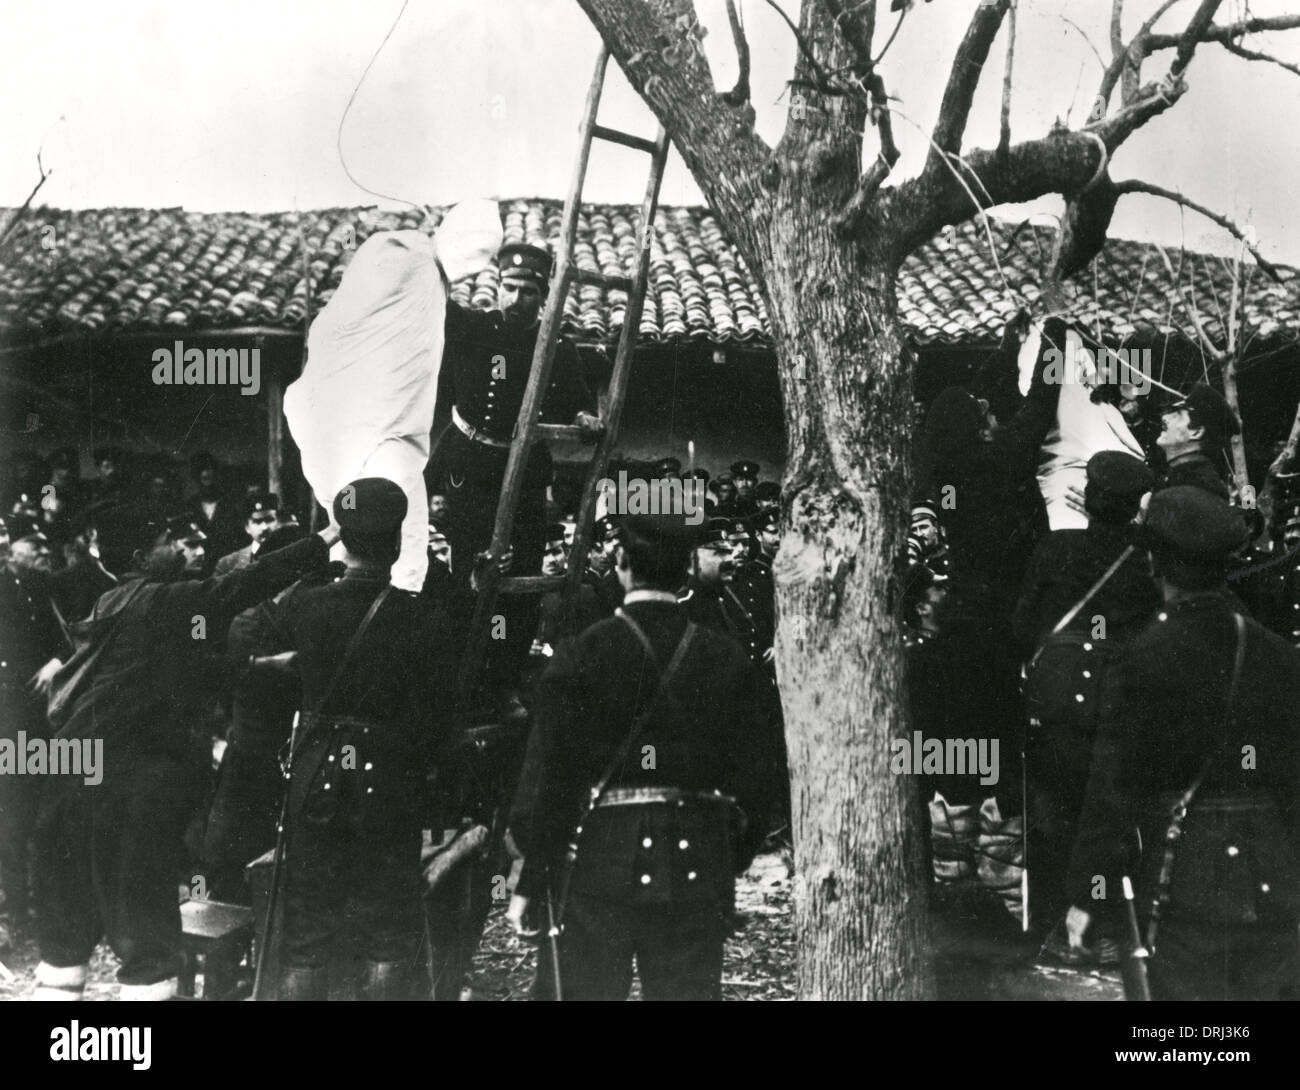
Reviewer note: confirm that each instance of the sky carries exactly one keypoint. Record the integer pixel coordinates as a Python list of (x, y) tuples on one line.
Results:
[(237, 105)]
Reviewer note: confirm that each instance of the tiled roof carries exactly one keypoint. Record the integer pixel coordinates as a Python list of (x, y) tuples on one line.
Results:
[(141, 270)]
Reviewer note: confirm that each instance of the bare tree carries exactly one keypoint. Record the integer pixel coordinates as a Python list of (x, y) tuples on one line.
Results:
[(825, 238)]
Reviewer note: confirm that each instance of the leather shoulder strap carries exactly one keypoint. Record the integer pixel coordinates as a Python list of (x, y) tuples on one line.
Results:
[(350, 651), (648, 709), (1238, 661)]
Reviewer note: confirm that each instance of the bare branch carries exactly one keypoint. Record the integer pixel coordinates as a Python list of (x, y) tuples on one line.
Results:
[(16, 218), (964, 77), (898, 25), (1225, 32), (1251, 55), (850, 219), (856, 34), (1192, 36), (739, 94), (1004, 135), (1135, 185), (1128, 65), (822, 82), (1084, 35)]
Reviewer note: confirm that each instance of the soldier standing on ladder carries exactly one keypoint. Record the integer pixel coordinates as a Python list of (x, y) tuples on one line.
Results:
[(487, 361)]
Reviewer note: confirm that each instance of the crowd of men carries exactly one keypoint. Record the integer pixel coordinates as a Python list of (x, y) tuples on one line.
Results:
[(257, 699), (1082, 589)]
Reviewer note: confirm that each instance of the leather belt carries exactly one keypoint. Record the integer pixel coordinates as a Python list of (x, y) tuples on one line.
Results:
[(477, 434), (638, 796)]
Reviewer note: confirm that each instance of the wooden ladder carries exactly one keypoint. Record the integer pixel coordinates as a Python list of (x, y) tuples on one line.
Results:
[(528, 428)]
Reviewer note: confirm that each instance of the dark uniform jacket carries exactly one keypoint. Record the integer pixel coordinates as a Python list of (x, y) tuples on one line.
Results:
[(484, 374), (710, 738), (29, 633), (150, 677), (1064, 566), (1198, 471), (724, 609), (1161, 716), (77, 588)]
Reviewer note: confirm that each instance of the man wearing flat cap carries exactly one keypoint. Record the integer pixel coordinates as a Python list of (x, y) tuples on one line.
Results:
[(646, 741), (487, 361), (1066, 669), (109, 851), (1200, 714), (1194, 435), (378, 676)]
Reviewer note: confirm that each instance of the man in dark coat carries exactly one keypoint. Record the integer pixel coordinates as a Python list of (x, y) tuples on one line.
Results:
[(486, 364), (657, 857), (1194, 434), (1170, 716), (366, 739), (32, 647), (1067, 668), (109, 853)]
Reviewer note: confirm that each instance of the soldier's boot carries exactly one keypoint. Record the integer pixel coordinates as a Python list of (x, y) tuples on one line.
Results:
[(953, 830), (54, 982), (382, 981), (297, 985), (1001, 852)]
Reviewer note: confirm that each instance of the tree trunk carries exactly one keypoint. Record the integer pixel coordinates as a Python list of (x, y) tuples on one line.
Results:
[(860, 897)]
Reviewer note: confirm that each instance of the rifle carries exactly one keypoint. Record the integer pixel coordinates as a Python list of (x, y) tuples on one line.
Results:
[(1133, 968), (277, 863), (553, 939)]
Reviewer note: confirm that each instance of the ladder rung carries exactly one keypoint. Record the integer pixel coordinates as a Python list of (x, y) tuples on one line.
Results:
[(557, 432), (530, 584), (614, 136), (598, 279)]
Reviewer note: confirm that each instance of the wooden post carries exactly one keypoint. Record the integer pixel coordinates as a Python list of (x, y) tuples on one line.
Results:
[(274, 425)]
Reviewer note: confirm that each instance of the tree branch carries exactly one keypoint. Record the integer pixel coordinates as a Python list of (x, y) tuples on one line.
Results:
[(850, 219), (821, 81), (22, 211), (1225, 32), (1004, 134), (967, 66), (1128, 64), (1251, 55), (656, 44), (739, 94), (1135, 185)]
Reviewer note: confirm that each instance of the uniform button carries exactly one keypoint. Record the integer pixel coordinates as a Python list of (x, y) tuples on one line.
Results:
[(327, 787), (331, 756), (1087, 647), (1263, 887), (683, 845), (1162, 616), (690, 876), (1087, 673), (577, 831), (369, 766), (1078, 697), (1233, 850), (646, 843), (645, 879), (370, 790)]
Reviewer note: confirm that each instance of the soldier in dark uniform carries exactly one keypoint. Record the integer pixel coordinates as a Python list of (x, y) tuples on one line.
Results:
[(77, 587), (485, 369), (598, 595), (725, 489), (109, 853), (32, 648), (1194, 433), (365, 741), (745, 474), (1067, 668), (711, 600), (656, 859), (1169, 718)]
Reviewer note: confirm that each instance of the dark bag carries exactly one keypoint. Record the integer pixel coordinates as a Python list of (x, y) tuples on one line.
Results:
[(90, 638)]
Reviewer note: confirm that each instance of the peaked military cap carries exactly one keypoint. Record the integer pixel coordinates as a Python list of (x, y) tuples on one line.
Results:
[(260, 501), (1211, 408), (1120, 474), (183, 528), (745, 468), (370, 505), (554, 532), (767, 519), (715, 530), (603, 529), (1193, 524), (526, 261), (671, 527)]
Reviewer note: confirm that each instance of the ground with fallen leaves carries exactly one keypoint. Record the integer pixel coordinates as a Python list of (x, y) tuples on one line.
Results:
[(979, 953)]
